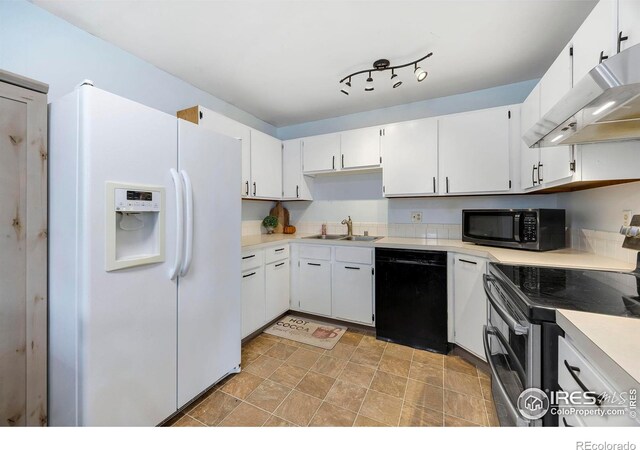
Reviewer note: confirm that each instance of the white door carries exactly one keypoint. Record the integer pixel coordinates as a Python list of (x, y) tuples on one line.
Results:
[(292, 169), (360, 148), (266, 166), (253, 300), (410, 158), (470, 303), (474, 151), (529, 157), (277, 289), (596, 36), (557, 81), (314, 291), (320, 153), (629, 22), (229, 127), (209, 286), (352, 298), (127, 323)]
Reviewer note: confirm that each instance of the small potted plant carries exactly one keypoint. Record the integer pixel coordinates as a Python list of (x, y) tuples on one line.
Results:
[(270, 222)]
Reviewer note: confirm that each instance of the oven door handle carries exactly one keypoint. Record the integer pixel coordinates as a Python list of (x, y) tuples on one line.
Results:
[(486, 331), (512, 322)]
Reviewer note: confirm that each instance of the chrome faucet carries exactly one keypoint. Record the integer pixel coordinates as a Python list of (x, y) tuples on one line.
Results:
[(349, 225)]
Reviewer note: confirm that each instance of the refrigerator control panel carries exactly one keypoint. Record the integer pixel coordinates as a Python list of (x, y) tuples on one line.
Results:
[(129, 200)]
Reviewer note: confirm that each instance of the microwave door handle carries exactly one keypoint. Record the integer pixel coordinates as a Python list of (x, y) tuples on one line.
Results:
[(511, 322), (486, 331), (516, 227)]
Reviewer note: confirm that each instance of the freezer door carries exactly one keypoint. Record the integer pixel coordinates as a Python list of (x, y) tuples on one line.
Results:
[(209, 285), (127, 318)]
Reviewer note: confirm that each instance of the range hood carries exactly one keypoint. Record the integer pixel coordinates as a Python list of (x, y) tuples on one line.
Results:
[(603, 106)]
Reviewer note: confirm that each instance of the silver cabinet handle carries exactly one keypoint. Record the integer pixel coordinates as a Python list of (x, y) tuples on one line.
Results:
[(248, 275), (333, 162), (297, 191), (434, 185), (254, 188), (511, 322), (352, 268), (247, 188), (343, 161), (467, 261), (540, 179), (533, 175), (249, 257), (447, 180), (281, 264)]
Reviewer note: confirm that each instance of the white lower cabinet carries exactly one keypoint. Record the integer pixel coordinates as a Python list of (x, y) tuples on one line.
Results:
[(265, 286), (277, 289), (353, 292), (314, 284), (469, 302), (334, 281), (253, 300)]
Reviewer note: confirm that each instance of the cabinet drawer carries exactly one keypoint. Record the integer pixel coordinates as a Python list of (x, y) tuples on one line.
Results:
[(322, 252), (252, 259), (356, 255), (276, 253), (593, 381)]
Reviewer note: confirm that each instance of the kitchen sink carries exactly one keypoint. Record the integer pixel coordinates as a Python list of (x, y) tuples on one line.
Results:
[(344, 237)]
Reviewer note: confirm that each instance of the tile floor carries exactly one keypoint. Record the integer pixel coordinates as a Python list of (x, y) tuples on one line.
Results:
[(361, 382)]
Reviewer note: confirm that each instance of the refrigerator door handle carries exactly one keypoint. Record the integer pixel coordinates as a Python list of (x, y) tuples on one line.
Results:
[(188, 232), (177, 181)]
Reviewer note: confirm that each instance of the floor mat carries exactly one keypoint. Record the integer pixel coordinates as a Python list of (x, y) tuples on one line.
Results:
[(298, 329)]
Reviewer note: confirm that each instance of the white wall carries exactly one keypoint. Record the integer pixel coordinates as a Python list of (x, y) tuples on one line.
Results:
[(601, 208), (39, 45)]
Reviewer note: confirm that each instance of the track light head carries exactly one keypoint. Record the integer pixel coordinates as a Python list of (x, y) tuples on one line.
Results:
[(346, 87), (395, 81), (369, 86), (420, 73)]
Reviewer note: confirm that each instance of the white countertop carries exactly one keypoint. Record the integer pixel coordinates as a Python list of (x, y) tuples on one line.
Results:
[(557, 258), (615, 338)]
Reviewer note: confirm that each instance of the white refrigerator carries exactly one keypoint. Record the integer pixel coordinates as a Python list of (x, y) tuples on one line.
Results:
[(144, 261)]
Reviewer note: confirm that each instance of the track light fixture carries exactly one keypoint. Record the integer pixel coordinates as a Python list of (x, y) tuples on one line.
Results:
[(380, 66)]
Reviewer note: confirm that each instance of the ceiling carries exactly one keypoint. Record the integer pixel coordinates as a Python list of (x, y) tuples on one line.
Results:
[(281, 60)]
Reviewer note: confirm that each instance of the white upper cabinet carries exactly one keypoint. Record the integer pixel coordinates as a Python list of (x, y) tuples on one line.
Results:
[(266, 166), (294, 184), (555, 164), (629, 22), (410, 158), (556, 82), (229, 127), (360, 148), (321, 153), (595, 37), (474, 151), (529, 157)]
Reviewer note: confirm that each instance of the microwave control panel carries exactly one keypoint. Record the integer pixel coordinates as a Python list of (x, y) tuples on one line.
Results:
[(129, 200), (530, 228)]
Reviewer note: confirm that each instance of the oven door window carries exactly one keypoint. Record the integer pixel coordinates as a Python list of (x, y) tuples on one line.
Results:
[(494, 226)]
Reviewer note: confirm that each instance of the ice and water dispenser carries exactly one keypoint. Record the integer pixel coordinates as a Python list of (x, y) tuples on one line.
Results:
[(135, 225)]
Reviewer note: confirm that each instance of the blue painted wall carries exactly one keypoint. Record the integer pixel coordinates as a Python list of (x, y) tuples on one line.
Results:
[(469, 101), (36, 44)]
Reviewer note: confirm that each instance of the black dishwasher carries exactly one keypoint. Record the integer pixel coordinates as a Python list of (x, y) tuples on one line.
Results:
[(411, 298)]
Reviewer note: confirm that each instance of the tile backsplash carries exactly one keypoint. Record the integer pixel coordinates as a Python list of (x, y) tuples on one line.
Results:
[(603, 243)]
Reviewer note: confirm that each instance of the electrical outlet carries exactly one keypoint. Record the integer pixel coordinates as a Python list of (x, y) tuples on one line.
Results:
[(416, 217), (626, 217)]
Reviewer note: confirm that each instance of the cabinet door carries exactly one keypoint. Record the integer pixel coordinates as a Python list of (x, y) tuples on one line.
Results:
[(470, 303), (596, 36), (294, 184), (410, 158), (277, 289), (266, 166), (229, 127), (253, 300), (529, 157), (629, 22), (556, 82), (320, 153), (555, 164), (360, 148), (314, 290), (353, 292), (474, 151)]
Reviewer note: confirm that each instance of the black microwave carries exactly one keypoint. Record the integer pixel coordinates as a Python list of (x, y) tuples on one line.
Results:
[(526, 229)]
